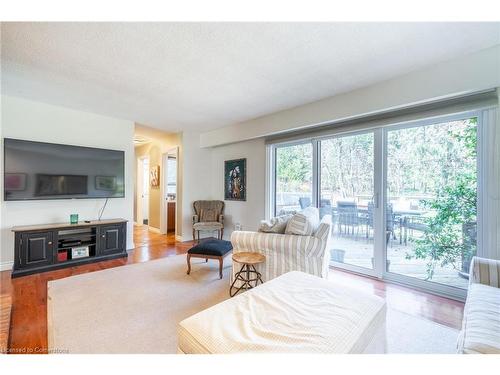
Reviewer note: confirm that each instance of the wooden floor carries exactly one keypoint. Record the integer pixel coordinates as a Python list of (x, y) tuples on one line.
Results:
[(28, 330)]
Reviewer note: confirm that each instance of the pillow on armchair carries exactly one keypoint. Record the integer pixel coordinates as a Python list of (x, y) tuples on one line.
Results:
[(303, 223), (207, 215), (275, 225)]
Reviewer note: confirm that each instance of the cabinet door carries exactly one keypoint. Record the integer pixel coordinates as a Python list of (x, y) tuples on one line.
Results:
[(171, 216), (111, 239), (36, 249)]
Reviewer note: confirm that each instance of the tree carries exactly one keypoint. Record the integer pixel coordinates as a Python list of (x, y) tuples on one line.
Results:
[(294, 167), (447, 239)]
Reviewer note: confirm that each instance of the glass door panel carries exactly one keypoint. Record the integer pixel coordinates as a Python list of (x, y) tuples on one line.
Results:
[(294, 173), (346, 192), (432, 192)]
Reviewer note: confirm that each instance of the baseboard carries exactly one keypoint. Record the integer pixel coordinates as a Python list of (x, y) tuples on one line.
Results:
[(154, 230), (178, 238), (6, 266)]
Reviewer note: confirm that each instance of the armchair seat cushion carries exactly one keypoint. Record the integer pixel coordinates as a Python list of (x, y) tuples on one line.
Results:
[(209, 225), (212, 247)]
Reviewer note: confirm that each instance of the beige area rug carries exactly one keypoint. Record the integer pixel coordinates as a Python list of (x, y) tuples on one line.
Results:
[(136, 309), (131, 309)]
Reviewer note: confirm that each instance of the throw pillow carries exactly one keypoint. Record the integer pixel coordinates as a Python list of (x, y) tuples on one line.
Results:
[(208, 215), (303, 223), (275, 225)]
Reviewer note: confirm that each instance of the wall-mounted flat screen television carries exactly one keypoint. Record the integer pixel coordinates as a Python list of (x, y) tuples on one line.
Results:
[(37, 170)]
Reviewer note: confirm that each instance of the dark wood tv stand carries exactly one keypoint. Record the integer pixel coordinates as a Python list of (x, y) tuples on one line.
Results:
[(40, 248)]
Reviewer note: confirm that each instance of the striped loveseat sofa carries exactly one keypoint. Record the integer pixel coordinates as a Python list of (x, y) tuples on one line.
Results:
[(287, 252), (481, 323)]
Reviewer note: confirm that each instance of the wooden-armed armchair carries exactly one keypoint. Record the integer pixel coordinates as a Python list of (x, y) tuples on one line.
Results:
[(208, 216)]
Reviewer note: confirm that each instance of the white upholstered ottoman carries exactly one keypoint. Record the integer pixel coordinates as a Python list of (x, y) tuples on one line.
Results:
[(295, 312)]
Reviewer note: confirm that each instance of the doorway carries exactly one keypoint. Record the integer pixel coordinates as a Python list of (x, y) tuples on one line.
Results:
[(142, 199), (169, 193)]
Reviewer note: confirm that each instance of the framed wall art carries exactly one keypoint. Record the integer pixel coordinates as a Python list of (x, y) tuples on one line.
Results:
[(235, 180)]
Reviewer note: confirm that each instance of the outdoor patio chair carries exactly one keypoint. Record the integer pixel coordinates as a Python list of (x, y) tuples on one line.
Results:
[(348, 216), (304, 202), (325, 208), (413, 223), (389, 223)]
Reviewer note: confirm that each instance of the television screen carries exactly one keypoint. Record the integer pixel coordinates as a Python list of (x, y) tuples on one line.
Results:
[(36, 170)]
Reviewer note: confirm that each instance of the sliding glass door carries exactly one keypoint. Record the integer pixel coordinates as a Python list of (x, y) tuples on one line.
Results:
[(403, 198), (432, 195), (346, 193)]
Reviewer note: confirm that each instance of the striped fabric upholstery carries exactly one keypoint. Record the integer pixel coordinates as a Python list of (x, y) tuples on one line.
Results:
[(299, 225), (485, 271), (285, 252), (303, 223), (323, 231), (481, 323)]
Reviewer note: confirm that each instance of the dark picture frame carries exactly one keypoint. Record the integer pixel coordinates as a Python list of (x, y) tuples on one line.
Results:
[(235, 180)]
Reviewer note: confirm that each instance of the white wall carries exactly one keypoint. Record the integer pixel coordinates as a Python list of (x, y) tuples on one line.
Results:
[(203, 178), (195, 178), (252, 211), (478, 71), (23, 119)]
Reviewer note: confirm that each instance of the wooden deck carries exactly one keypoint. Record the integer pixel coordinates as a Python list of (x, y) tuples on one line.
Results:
[(359, 251)]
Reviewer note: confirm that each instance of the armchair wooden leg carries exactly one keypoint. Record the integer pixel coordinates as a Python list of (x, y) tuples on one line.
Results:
[(189, 263), (221, 265)]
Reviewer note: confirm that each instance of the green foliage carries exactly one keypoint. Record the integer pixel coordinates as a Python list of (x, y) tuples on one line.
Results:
[(347, 166), (294, 167), (447, 240), (435, 161)]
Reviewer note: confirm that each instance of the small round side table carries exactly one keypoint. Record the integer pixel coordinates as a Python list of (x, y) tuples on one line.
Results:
[(247, 273)]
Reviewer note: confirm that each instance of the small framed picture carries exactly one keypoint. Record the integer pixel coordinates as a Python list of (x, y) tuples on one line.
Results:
[(154, 176), (105, 183), (235, 180)]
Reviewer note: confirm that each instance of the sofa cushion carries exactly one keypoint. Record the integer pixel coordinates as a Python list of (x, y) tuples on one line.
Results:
[(303, 223), (481, 323), (212, 247), (275, 225)]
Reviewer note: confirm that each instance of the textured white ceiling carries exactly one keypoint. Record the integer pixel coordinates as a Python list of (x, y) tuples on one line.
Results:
[(201, 76)]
